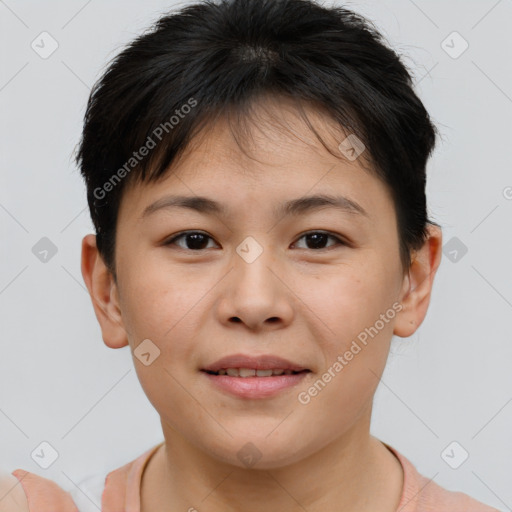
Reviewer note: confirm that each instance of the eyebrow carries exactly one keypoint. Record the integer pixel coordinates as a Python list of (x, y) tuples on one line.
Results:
[(292, 207)]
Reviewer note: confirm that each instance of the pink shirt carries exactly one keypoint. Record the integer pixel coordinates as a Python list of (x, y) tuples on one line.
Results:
[(121, 492)]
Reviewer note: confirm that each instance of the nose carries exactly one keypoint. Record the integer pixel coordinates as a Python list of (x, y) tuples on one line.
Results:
[(256, 294)]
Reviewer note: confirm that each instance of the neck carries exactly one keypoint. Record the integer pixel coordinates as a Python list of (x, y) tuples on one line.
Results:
[(355, 472)]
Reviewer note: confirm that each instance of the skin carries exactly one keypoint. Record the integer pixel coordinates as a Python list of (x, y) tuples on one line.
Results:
[(12, 495), (298, 302)]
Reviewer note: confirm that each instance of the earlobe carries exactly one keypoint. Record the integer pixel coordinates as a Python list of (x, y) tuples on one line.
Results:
[(418, 283), (104, 295)]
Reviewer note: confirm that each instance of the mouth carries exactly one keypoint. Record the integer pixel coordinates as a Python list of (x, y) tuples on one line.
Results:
[(242, 365), (254, 377), (252, 372)]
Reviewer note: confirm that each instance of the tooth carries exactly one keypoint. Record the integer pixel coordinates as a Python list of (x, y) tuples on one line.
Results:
[(247, 372), (263, 373), (250, 372)]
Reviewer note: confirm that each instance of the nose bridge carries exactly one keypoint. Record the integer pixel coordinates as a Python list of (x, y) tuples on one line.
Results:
[(254, 272), (254, 294)]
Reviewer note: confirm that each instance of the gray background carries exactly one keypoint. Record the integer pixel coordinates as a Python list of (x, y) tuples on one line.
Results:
[(451, 381)]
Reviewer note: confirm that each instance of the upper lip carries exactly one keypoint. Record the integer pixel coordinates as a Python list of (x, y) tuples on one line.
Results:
[(263, 362)]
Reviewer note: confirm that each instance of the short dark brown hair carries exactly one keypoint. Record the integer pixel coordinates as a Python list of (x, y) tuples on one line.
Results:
[(213, 57)]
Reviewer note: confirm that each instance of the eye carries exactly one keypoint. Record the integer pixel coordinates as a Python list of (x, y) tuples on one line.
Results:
[(198, 241), (318, 239), (193, 240)]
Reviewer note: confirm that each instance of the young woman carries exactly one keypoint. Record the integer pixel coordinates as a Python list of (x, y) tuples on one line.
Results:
[(255, 172)]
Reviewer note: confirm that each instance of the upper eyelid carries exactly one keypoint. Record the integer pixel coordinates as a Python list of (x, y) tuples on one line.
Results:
[(183, 233), (340, 238)]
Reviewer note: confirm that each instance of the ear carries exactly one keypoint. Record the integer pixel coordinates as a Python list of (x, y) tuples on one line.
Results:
[(417, 284), (104, 294)]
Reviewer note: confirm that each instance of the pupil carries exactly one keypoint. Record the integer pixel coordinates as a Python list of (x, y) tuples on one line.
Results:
[(196, 241), (314, 238)]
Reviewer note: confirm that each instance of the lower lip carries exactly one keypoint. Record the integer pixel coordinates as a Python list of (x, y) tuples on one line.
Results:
[(255, 387)]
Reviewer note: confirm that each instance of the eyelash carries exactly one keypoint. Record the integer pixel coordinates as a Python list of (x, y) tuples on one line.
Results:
[(340, 241)]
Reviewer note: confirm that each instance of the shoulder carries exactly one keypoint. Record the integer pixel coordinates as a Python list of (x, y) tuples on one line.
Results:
[(22, 487), (421, 494), (12, 495), (433, 497)]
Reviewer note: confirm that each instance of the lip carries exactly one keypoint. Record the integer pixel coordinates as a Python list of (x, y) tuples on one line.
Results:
[(254, 387), (263, 362)]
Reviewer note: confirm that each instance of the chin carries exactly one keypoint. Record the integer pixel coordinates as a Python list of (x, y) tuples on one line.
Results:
[(261, 452)]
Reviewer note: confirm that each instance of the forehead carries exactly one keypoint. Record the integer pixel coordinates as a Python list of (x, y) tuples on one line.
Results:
[(272, 126), (267, 159)]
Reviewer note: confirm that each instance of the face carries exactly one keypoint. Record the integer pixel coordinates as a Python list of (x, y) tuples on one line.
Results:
[(317, 285)]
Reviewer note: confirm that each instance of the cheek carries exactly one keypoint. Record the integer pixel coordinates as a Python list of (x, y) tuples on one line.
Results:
[(161, 300), (163, 306), (355, 355), (344, 301), (357, 307)]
